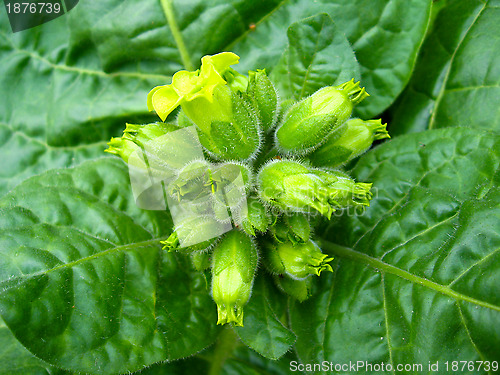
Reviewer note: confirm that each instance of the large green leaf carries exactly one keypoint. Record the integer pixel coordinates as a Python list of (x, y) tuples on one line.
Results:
[(419, 272), (318, 55), (84, 282), (263, 331), (16, 360), (456, 80), (66, 94), (385, 35), (73, 82)]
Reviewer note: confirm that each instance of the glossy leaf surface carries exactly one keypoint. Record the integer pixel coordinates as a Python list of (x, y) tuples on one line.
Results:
[(384, 34), (17, 360), (85, 284), (418, 280), (264, 331), (318, 55), (456, 79)]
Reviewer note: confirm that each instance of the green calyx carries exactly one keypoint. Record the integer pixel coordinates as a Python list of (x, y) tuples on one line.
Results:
[(265, 98), (229, 133), (141, 134), (343, 191), (298, 261), (292, 227), (256, 218), (121, 147), (190, 182), (200, 183), (354, 138), (187, 240), (234, 265), (352, 89), (292, 186), (298, 289), (135, 137), (309, 122)]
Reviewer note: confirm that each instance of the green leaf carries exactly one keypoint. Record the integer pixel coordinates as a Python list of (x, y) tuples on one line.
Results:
[(191, 365), (75, 81), (456, 79), (85, 284), (67, 93), (417, 280), (263, 330), (385, 35), (318, 55), (246, 362), (16, 360)]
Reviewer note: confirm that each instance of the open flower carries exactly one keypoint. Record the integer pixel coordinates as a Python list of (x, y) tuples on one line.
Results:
[(189, 86), (213, 98)]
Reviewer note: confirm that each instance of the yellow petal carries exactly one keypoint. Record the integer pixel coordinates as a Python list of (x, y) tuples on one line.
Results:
[(165, 100), (221, 61), (185, 82), (150, 97)]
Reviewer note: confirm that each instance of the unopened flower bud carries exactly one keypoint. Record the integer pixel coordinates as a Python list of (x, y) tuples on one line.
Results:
[(297, 261), (355, 138), (190, 182), (310, 121), (135, 137), (343, 191), (298, 289), (292, 186), (293, 227), (234, 265), (256, 217), (263, 93), (142, 134), (198, 232), (122, 148), (289, 185)]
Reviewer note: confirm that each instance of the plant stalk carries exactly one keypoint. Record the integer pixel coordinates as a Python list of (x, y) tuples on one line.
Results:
[(174, 28)]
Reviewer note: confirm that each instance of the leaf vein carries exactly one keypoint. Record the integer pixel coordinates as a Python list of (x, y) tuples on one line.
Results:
[(388, 268), (447, 76), (386, 319)]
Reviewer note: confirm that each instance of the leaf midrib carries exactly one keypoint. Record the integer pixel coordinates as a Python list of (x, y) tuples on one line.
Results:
[(83, 70), (352, 254), (308, 70), (111, 250), (46, 145)]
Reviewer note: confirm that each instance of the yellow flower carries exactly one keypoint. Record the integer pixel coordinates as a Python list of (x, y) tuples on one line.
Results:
[(188, 86)]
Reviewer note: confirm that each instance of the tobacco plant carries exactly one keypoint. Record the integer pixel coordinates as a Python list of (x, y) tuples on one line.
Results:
[(235, 117), (251, 213)]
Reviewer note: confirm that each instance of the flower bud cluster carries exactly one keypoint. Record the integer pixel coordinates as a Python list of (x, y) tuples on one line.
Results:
[(267, 175)]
